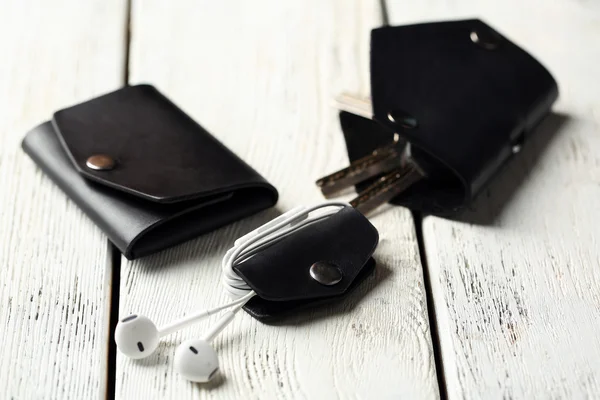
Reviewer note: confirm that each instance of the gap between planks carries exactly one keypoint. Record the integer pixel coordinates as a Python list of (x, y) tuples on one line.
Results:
[(431, 312), (114, 253), (111, 371)]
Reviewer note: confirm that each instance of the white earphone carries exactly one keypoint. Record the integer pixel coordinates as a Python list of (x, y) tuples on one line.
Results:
[(137, 336)]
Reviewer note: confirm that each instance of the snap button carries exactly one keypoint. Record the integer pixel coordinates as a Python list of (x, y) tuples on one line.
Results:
[(487, 39), (325, 273), (100, 162)]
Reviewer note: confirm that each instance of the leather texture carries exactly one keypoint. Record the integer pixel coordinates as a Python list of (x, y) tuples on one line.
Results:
[(281, 273), (276, 311), (472, 105), (173, 181)]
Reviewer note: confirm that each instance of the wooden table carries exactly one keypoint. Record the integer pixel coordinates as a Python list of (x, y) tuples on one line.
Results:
[(503, 305)]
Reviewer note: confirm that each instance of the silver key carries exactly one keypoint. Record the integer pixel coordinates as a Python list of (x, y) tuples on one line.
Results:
[(381, 161), (390, 185)]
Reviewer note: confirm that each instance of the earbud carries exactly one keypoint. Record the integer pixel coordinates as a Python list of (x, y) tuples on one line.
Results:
[(136, 336), (196, 360)]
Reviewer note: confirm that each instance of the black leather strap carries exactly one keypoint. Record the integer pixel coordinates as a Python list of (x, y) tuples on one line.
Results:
[(280, 274), (162, 154)]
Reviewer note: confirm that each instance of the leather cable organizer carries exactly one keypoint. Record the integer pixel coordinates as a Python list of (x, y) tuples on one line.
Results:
[(167, 179), (280, 274), (475, 96)]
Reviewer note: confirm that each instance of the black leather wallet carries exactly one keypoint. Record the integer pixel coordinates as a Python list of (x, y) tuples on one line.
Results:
[(472, 96), (145, 172)]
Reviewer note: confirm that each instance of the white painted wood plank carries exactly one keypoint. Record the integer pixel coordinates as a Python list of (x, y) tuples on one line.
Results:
[(55, 280), (261, 76), (518, 300)]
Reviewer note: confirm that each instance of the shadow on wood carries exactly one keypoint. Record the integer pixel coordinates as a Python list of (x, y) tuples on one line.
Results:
[(493, 201), (214, 383)]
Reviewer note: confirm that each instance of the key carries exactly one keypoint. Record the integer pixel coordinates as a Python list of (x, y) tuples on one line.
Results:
[(391, 185), (382, 160)]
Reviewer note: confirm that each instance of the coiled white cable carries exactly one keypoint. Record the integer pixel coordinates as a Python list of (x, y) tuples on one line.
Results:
[(266, 236), (137, 336)]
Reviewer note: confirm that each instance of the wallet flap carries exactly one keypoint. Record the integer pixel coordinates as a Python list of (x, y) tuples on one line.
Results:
[(160, 154), (345, 241)]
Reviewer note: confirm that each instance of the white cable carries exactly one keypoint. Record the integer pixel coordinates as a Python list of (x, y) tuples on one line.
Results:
[(185, 321)]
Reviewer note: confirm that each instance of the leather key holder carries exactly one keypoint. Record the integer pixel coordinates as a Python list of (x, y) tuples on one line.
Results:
[(145, 172), (464, 97), (322, 262)]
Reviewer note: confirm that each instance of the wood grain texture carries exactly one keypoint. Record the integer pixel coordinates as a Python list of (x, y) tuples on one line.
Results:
[(261, 76), (55, 278), (516, 285)]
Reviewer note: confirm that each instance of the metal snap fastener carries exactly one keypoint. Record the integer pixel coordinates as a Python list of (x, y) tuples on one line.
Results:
[(487, 39), (100, 162), (325, 273), (402, 119)]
